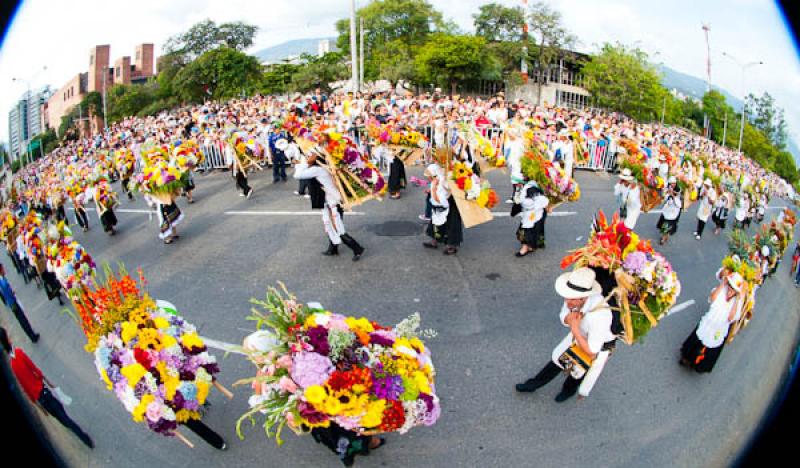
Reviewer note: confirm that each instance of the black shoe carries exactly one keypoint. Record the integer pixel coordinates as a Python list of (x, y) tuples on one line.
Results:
[(333, 249), (450, 251), (563, 396), (357, 257), (430, 245), (35, 338), (528, 387)]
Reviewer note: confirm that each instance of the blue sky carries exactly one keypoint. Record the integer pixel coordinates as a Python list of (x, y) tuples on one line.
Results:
[(750, 30)]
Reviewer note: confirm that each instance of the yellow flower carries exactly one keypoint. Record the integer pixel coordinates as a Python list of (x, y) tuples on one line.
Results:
[(308, 423), (202, 391), (361, 324), (315, 394), (182, 416), (483, 199), (133, 373), (422, 382), (148, 339), (417, 344), (467, 183), (103, 374), (374, 414), (191, 340), (358, 389), (168, 341), (332, 406), (141, 408), (355, 406), (129, 331), (161, 322)]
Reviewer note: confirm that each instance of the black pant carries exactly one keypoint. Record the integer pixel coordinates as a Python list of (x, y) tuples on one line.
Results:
[(279, 168), (241, 182), (549, 372), (23, 322), (701, 225), (126, 189), (205, 433), (80, 216), (56, 409), (352, 244), (302, 189)]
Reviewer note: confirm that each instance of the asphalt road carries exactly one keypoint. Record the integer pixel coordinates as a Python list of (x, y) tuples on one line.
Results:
[(497, 318)]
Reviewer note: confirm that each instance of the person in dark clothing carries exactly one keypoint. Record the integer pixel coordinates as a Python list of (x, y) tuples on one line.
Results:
[(278, 140), (38, 389), (10, 300), (346, 444)]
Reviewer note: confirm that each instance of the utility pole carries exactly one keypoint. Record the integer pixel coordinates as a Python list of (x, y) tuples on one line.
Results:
[(706, 120), (353, 45), (361, 65), (744, 103), (523, 67), (105, 114)]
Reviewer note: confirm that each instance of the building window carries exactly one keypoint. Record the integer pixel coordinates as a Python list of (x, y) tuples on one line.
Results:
[(118, 69), (91, 59)]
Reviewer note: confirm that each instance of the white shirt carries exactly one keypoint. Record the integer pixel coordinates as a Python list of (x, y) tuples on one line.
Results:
[(514, 159), (713, 327), (304, 171), (532, 207), (630, 198), (672, 207)]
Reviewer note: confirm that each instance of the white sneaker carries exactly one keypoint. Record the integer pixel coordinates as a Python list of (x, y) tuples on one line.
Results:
[(509, 202), (422, 217), (697, 237), (296, 192), (241, 194), (249, 193), (306, 196)]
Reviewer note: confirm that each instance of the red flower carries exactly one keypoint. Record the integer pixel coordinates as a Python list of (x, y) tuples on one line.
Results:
[(393, 417), (143, 358)]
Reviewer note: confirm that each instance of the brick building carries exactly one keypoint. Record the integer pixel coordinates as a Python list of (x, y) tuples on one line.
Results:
[(101, 75)]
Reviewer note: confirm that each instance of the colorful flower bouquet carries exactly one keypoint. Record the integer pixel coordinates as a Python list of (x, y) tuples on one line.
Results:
[(162, 176), (153, 360), (322, 368), (124, 161), (475, 189), (187, 156), (557, 186), (483, 145), (247, 149), (651, 183), (408, 144), (647, 286), (74, 267)]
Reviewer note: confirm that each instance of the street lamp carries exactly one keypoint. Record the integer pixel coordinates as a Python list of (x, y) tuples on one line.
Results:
[(744, 100), (27, 104)]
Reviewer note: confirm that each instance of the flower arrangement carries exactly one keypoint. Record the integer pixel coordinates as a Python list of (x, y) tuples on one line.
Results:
[(74, 267), (399, 137), (153, 360), (187, 156), (124, 161), (325, 368), (9, 224), (647, 286), (104, 194), (162, 176), (483, 145), (557, 186), (477, 190)]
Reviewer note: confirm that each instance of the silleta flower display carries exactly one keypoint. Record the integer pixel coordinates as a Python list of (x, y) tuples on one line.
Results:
[(319, 367)]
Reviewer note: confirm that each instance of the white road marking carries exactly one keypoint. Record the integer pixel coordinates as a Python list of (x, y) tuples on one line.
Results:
[(505, 214), (287, 213), (680, 307), (222, 346)]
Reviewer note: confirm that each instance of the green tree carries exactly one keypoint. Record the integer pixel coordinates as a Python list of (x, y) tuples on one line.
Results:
[(92, 104), (622, 79), (278, 77), (549, 37), (318, 72), (207, 35), (409, 21), (219, 74), (128, 100), (498, 23), (449, 60)]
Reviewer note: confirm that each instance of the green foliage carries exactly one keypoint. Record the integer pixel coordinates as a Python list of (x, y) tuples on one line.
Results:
[(219, 74), (48, 141), (277, 78), (128, 100), (207, 35), (621, 79), (317, 72), (92, 104), (549, 39), (498, 23), (447, 60), (15, 166)]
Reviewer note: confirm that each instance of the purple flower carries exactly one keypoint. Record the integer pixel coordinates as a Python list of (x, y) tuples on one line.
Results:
[(178, 402), (381, 340), (387, 388), (379, 185), (310, 369), (211, 368), (163, 426), (318, 339), (310, 414), (350, 156), (635, 262)]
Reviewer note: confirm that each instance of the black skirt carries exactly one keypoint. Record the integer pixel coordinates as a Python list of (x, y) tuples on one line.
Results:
[(346, 444), (452, 231), (109, 220), (51, 285), (718, 221), (699, 357), (534, 236), (666, 226), (189, 185), (397, 175)]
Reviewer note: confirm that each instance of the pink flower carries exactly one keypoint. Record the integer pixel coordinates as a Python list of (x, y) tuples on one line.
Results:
[(284, 362), (287, 384)]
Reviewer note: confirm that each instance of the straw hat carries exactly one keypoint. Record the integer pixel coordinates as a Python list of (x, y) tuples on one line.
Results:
[(707, 182), (736, 281), (626, 175), (578, 284)]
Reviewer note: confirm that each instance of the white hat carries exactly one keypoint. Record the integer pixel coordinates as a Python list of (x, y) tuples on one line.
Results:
[(626, 174), (672, 180), (707, 182), (578, 284), (282, 144), (765, 251), (735, 280)]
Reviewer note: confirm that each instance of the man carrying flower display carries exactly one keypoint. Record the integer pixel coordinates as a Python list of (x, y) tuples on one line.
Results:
[(628, 197), (532, 213), (671, 212), (585, 350), (331, 210), (446, 224)]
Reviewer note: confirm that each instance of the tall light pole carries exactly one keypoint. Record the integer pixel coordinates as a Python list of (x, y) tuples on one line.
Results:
[(744, 100), (353, 46), (523, 67), (706, 119), (361, 65)]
